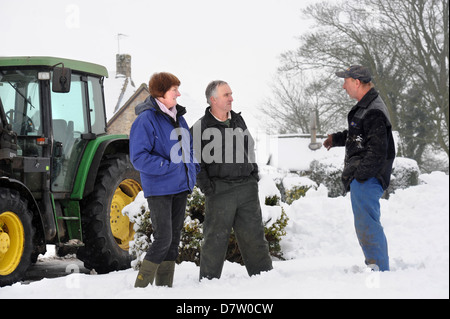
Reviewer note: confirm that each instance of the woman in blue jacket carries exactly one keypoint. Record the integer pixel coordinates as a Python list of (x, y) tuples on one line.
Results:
[(161, 150)]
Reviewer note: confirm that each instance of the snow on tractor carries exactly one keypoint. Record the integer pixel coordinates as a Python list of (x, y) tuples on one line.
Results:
[(63, 180)]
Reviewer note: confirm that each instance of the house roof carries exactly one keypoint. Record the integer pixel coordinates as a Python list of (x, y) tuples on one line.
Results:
[(118, 90), (116, 115)]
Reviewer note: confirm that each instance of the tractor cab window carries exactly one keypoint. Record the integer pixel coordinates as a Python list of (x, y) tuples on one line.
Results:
[(19, 91), (68, 110), (69, 123), (96, 106), (75, 115)]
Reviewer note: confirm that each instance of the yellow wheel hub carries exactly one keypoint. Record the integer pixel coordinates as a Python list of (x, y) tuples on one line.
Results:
[(121, 227), (12, 239), (4, 243)]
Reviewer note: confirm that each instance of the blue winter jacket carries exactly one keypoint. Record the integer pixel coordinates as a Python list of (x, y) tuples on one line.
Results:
[(161, 150)]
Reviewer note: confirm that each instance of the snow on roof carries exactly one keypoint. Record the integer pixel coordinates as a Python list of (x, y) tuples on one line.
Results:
[(118, 90)]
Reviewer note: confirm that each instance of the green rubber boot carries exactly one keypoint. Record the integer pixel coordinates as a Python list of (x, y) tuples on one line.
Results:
[(165, 273), (146, 274)]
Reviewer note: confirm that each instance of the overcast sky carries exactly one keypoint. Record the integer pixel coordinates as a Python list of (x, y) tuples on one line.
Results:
[(238, 41)]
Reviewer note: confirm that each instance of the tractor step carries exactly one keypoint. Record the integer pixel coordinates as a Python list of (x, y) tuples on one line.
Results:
[(68, 248), (71, 243), (68, 218)]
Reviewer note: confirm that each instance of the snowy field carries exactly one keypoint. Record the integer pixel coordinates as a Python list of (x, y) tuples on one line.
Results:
[(324, 259)]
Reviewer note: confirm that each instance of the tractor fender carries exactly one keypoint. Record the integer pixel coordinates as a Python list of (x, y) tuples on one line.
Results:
[(38, 223), (95, 153)]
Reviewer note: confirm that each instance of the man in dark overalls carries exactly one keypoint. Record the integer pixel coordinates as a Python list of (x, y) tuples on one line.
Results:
[(229, 180)]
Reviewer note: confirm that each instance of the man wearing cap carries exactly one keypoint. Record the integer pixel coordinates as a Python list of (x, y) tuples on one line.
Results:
[(369, 155)]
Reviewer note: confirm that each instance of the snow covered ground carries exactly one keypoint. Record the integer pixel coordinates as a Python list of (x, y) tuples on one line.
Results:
[(324, 259)]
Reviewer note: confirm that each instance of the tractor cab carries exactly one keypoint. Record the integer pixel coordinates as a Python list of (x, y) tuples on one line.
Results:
[(53, 120), (63, 179)]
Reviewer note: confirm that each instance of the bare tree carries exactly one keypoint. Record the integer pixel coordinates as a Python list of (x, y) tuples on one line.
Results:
[(420, 28), (286, 109), (294, 99)]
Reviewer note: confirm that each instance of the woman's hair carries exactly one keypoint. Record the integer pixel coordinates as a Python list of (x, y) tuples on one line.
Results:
[(161, 82), (211, 89)]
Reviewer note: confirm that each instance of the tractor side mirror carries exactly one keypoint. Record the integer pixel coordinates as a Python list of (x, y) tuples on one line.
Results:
[(61, 80)]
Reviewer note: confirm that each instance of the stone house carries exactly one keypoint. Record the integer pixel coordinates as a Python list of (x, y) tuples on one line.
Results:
[(122, 97), (121, 121)]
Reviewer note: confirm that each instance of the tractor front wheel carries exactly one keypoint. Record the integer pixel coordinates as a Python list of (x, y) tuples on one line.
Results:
[(16, 237)]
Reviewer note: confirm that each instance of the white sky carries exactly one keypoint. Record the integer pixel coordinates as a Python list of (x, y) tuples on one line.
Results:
[(238, 41)]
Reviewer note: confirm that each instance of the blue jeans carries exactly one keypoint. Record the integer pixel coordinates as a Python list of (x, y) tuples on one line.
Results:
[(365, 199)]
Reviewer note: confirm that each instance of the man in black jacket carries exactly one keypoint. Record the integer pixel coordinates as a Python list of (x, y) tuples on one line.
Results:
[(229, 180), (369, 155)]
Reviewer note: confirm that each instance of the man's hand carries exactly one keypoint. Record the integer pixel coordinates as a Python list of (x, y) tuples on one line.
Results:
[(328, 143)]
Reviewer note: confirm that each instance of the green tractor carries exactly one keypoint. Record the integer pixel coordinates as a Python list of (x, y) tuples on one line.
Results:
[(63, 180)]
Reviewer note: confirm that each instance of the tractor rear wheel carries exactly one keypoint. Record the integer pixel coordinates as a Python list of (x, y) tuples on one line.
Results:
[(106, 231), (16, 237)]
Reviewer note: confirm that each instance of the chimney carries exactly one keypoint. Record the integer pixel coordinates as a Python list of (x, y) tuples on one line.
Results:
[(123, 65)]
